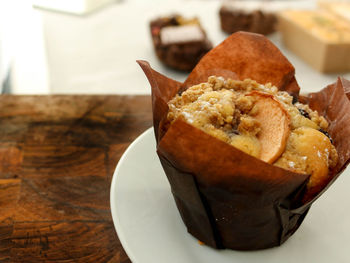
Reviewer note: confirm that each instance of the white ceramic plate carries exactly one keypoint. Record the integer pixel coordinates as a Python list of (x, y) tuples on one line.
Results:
[(151, 230)]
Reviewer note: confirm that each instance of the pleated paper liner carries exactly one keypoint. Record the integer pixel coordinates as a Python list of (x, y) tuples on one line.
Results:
[(226, 198)]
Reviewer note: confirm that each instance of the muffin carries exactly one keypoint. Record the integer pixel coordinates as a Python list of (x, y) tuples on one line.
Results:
[(260, 121), (179, 42), (245, 155)]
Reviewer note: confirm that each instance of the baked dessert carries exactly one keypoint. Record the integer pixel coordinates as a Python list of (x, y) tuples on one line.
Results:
[(320, 38), (250, 16), (179, 42), (257, 16), (260, 121), (238, 173), (341, 9)]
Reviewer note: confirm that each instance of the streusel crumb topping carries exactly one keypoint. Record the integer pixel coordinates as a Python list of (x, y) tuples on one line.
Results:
[(226, 110)]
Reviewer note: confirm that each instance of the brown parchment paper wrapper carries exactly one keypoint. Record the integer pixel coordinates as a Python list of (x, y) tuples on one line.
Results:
[(226, 198)]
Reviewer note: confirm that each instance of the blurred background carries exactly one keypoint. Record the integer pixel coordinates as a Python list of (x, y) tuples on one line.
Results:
[(90, 46)]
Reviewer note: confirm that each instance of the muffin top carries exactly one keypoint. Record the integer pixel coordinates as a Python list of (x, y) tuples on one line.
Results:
[(261, 121)]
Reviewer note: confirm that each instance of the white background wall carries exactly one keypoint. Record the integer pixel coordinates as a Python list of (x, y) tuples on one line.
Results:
[(23, 46), (59, 53)]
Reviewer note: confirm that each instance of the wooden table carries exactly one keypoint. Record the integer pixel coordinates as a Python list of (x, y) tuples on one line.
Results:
[(57, 158)]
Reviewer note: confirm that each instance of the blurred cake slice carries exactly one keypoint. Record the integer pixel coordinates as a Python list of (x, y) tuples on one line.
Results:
[(179, 42), (255, 16), (338, 8), (318, 37)]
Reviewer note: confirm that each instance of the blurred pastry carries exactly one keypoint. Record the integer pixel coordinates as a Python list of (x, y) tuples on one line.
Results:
[(339, 8), (250, 16), (257, 16), (179, 42), (319, 37)]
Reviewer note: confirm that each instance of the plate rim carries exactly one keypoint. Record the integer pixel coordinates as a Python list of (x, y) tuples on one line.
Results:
[(122, 233), (115, 219)]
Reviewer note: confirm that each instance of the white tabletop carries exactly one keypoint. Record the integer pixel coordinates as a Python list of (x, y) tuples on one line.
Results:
[(96, 54)]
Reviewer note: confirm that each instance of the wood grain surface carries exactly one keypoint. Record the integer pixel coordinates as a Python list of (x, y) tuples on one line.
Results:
[(57, 158)]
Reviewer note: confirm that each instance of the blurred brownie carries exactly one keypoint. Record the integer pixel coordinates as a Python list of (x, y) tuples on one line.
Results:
[(250, 16), (179, 42)]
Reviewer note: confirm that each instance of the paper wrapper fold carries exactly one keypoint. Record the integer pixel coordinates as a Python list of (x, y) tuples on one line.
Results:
[(226, 198)]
